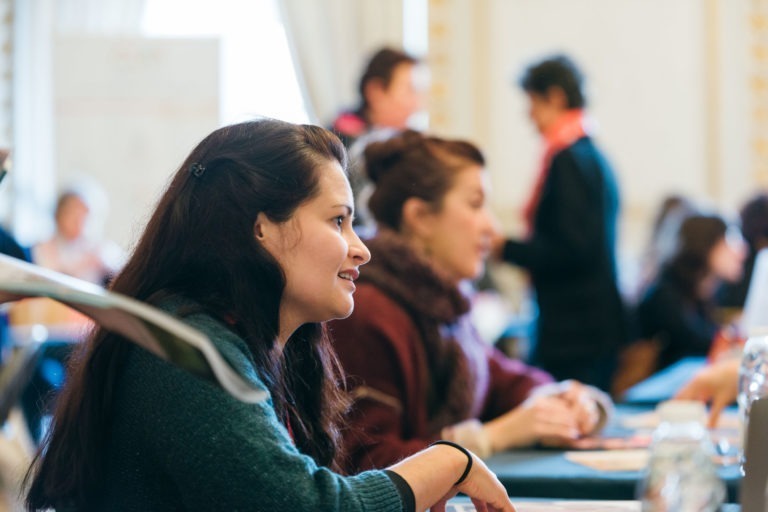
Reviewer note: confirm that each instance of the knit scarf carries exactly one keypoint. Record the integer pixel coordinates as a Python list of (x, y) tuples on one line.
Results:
[(567, 129), (436, 306)]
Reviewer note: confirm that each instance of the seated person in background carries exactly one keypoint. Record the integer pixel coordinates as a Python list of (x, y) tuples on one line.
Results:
[(415, 365), (391, 92), (638, 360), (671, 213), (252, 244), (389, 95), (70, 250), (716, 384), (677, 308), (8, 244), (754, 227)]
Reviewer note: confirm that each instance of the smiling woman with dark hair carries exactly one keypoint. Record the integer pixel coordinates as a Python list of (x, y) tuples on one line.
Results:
[(252, 244)]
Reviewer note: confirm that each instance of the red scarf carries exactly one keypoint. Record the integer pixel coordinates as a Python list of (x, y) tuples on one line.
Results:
[(567, 129)]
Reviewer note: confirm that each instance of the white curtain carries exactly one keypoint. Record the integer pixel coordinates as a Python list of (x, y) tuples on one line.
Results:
[(331, 40), (36, 24)]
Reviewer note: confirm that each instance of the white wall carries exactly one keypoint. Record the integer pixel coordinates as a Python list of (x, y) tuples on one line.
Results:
[(643, 63), (127, 113), (668, 84)]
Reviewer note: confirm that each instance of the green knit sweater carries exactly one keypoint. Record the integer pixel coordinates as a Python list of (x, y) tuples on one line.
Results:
[(180, 443)]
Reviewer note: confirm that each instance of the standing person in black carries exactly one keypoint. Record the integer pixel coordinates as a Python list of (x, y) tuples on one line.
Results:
[(570, 249)]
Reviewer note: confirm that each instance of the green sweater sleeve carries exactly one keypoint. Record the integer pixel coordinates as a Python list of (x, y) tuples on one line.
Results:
[(217, 453)]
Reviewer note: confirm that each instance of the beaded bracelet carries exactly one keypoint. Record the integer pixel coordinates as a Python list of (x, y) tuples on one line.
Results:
[(465, 452)]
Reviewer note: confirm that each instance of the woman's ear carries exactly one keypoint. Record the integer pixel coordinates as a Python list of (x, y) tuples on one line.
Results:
[(417, 217), (258, 227)]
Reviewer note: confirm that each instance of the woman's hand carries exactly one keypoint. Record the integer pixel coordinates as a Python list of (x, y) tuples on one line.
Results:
[(483, 488), (432, 474), (717, 384), (549, 419), (582, 404)]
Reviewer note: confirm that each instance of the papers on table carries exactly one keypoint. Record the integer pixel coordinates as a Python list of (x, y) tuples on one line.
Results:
[(650, 420), (611, 460), (559, 506)]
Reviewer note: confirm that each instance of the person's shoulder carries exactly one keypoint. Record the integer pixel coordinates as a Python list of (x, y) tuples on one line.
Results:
[(582, 158), (583, 149), (231, 346), (349, 126), (375, 311), (370, 300), (661, 293)]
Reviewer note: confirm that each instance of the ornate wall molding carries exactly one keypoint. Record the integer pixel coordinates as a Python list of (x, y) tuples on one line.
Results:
[(6, 72), (758, 89)]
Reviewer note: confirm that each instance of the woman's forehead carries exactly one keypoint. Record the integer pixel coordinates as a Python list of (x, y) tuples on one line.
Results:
[(333, 182)]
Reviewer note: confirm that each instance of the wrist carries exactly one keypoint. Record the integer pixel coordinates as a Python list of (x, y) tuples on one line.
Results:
[(472, 435), (467, 453)]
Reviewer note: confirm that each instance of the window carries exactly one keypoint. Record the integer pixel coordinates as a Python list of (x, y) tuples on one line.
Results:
[(258, 77)]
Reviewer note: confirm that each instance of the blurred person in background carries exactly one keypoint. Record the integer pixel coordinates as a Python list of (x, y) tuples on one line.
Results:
[(72, 250), (666, 224), (638, 360), (390, 93), (392, 89), (570, 249), (415, 364), (716, 384), (754, 227), (677, 309), (8, 244)]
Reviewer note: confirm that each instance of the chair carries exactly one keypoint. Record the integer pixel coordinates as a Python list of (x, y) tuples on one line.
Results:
[(15, 374)]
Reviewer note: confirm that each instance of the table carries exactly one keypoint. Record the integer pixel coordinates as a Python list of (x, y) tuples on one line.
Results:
[(663, 384), (546, 473)]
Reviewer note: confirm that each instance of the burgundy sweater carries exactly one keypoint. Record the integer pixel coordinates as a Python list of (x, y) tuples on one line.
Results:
[(414, 362)]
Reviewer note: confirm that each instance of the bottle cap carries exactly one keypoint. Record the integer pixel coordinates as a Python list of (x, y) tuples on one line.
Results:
[(682, 411)]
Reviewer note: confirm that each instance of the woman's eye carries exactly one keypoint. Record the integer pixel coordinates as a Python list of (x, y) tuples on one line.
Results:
[(339, 220)]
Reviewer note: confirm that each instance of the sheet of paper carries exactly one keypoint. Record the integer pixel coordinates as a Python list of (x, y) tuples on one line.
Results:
[(611, 460), (559, 506), (650, 420)]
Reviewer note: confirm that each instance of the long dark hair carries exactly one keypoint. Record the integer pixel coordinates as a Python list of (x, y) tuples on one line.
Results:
[(688, 265), (200, 243)]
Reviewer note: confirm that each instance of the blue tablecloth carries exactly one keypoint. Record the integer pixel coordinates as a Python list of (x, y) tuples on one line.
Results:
[(664, 384), (546, 473)]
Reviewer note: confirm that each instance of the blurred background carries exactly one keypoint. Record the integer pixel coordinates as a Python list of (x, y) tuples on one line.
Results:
[(114, 93)]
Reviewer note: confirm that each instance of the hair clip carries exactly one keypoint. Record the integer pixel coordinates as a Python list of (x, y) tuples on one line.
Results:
[(196, 169)]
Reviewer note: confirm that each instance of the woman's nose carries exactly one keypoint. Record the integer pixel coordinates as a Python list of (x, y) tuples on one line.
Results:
[(359, 251)]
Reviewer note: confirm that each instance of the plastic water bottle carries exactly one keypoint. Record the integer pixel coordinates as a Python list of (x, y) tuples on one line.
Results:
[(753, 379), (681, 476)]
